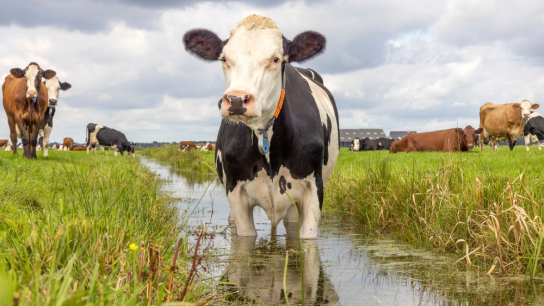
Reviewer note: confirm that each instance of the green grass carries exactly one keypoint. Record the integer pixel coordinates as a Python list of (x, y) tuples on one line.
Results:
[(66, 223), (487, 204)]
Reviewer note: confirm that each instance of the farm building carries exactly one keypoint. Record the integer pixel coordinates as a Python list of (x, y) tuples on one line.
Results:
[(347, 135), (399, 134)]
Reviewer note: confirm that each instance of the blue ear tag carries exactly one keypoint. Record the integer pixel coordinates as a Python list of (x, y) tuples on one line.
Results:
[(34, 100), (263, 143)]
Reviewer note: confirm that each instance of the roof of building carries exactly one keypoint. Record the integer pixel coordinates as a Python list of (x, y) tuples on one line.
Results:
[(399, 134), (350, 134)]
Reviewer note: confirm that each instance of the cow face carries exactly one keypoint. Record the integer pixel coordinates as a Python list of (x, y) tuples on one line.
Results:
[(356, 144), (252, 61), (54, 86), (33, 75), (526, 108), (469, 136)]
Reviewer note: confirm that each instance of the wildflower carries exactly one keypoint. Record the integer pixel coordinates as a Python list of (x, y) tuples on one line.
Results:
[(133, 246)]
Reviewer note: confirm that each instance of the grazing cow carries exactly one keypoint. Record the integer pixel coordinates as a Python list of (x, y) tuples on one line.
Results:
[(25, 102), (279, 133), (535, 126), (80, 148), (108, 138), (450, 140), (3, 142), (531, 137), (381, 143), (501, 121), (208, 147), (187, 145), (68, 143)]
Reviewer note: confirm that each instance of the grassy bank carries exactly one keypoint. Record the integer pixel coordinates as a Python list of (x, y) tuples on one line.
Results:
[(486, 207), (71, 227)]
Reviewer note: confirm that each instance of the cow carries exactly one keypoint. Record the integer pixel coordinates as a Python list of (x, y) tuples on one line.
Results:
[(25, 101), (278, 139), (500, 121), (68, 143), (60, 148), (187, 145), (531, 137), (381, 143), (106, 138), (53, 86), (4, 142), (361, 144), (535, 126), (8, 147), (208, 147), (450, 140), (54, 147), (80, 148)]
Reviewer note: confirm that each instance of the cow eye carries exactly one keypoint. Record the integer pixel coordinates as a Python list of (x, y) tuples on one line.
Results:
[(223, 59), (276, 59)]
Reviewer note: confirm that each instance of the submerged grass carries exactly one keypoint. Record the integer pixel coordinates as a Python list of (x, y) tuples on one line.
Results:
[(79, 229), (486, 207)]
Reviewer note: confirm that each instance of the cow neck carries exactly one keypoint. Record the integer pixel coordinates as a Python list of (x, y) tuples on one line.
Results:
[(264, 143)]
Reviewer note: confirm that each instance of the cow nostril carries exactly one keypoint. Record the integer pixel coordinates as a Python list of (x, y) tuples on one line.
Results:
[(246, 99)]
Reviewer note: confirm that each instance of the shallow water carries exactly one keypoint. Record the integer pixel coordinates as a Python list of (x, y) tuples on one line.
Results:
[(343, 266)]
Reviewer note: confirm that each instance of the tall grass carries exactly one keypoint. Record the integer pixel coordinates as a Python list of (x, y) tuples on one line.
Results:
[(194, 160), (486, 207), (78, 229)]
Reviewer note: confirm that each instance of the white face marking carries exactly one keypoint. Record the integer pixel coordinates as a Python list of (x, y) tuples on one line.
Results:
[(526, 107), (356, 144), (53, 88), (250, 69), (30, 77)]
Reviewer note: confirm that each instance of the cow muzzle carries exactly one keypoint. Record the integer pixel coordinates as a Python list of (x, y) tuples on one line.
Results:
[(237, 103), (52, 102), (31, 94)]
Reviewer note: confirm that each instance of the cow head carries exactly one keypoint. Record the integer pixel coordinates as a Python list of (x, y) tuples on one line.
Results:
[(356, 144), (526, 107), (54, 86), (252, 59), (468, 136), (33, 75)]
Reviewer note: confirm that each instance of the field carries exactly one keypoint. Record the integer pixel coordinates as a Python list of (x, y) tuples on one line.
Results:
[(72, 227), (484, 207)]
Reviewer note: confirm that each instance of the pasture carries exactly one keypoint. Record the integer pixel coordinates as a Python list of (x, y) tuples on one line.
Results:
[(72, 227), (483, 207)]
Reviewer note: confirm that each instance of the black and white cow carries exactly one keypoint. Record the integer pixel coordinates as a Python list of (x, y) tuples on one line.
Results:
[(303, 139), (381, 143), (363, 144), (107, 138), (534, 126)]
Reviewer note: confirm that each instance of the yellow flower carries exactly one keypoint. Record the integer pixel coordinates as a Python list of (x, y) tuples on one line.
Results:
[(133, 246)]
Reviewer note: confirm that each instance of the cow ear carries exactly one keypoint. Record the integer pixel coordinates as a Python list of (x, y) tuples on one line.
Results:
[(479, 131), (17, 72), (305, 46), (65, 86), (535, 106), (49, 74), (203, 43)]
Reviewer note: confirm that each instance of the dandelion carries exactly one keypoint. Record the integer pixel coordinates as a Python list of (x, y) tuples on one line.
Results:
[(133, 246)]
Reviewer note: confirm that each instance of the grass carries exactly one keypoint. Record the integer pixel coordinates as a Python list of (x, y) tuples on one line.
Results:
[(194, 161), (485, 207), (78, 229)]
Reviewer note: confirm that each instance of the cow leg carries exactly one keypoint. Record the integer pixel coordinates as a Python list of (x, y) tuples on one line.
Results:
[(510, 142), (24, 136), (309, 211), (33, 139), (46, 134), (88, 146), (539, 145), (12, 135), (291, 222), (242, 212), (411, 146)]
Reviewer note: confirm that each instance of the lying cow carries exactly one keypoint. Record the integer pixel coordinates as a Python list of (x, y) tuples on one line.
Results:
[(68, 143), (450, 140), (361, 144), (107, 138), (208, 147), (80, 148), (279, 133), (381, 143), (535, 126), (4, 142), (187, 145), (504, 121)]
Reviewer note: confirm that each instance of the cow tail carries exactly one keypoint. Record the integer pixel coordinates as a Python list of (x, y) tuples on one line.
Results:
[(88, 136)]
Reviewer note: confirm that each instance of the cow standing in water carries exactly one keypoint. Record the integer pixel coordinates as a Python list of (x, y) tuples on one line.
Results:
[(279, 133), (25, 102)]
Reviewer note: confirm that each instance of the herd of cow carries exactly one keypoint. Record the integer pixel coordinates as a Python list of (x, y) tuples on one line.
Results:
[(497, 122), (30, 107)]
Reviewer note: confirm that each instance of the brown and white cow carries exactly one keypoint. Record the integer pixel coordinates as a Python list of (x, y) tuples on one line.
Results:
[(25, 102), (187, 145), (80, 148), (450, 140), (208, 147), (500, 121), (68, 143)]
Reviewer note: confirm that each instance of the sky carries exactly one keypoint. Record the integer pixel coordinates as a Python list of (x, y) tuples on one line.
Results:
[(397, 65)]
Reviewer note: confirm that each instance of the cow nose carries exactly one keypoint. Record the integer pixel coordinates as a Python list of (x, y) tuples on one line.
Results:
[(52, 102), (237, 102), (32, 93)]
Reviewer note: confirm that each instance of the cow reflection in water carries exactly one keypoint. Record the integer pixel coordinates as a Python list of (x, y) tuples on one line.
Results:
[(258, 276)]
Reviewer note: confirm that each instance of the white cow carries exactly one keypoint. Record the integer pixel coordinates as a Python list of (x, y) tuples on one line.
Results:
[(532, 138), (8, 148)]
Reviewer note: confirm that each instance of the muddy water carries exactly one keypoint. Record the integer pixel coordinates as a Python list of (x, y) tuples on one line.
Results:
[(344, 266)]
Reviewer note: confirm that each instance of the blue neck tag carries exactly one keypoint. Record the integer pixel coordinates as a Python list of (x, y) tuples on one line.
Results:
[(34, 100)]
